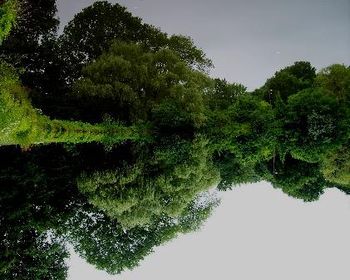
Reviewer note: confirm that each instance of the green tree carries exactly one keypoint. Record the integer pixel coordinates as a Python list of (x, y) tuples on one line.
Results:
[(336, 80), (314, 124), (162, 181), (92, 31), (31, 48), (336, 166), (102, 242), (245, 129), (8, 16), (32, 256), (288, 81), (35, 199), (234, 171), (224, 94), (298, 179), (133, 85)]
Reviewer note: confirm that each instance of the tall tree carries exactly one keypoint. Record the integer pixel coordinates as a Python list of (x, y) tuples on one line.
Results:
[(133, 84), (336, 80), (315, 124), (92, 31), (288, 81)]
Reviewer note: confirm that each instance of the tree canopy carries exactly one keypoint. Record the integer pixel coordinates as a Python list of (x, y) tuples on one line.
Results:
[(113, 137), (132, 84)]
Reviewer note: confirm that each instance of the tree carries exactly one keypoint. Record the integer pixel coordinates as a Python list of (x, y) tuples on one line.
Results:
[(288, 81), (32, 256), (42, 210), (314, 124), (92, 31), (29, 45), (224, 94), (35, 200), (101, 241), (32, 48), (163, 181), (185, 133), (133, 85), (298, 179), (234, 171), (336, 80), (246, 129), (336, 166)]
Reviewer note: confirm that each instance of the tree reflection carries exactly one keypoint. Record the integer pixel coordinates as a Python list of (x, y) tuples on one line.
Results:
[(180, 134), (43, 209)]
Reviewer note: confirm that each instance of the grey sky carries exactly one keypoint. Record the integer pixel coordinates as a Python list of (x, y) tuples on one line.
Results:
[(248, 40), (257, 232)]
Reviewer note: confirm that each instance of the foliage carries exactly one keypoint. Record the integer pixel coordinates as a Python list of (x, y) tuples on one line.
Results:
[(224, 94), (42, 210), (102, 242), (8, 15), (315, 124), (92, 31), (22, 124), (336, 80), (234, 171), (31, 48), (336, 166), (246, 129), (296, 178), (134, 85), (163, 182), (35, 198), (179, 134), (288, 81), (24, 258)]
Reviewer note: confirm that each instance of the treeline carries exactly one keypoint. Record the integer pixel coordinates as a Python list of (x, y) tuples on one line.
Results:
[(145, 133), (293, 131)]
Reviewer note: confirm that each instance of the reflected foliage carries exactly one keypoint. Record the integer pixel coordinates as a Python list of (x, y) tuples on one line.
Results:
[(161, 181), (103, 242), (43, 210), (114, 137)]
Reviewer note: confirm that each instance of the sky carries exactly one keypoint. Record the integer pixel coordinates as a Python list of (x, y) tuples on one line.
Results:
[(257, 232), (249, 40)]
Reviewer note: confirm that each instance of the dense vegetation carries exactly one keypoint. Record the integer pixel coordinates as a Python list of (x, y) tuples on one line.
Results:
[(8, 15), (113, 136)]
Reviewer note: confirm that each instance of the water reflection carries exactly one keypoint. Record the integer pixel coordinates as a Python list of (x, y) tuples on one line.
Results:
[(96, 200), (114, 205), (145, 136)]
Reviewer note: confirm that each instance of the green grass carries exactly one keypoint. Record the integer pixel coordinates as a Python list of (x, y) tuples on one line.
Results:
[(21, 124)]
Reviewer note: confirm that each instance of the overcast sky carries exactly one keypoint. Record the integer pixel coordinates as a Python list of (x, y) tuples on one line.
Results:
[(257, 232), (249, 40)]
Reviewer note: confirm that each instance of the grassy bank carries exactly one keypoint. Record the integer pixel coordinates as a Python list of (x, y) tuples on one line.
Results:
[(21, 124)]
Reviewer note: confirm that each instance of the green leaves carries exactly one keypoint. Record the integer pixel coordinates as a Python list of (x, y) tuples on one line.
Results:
[(163, 182), (315, 124), (336, 80), (133, 85), (182, 133), (8, 16)]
